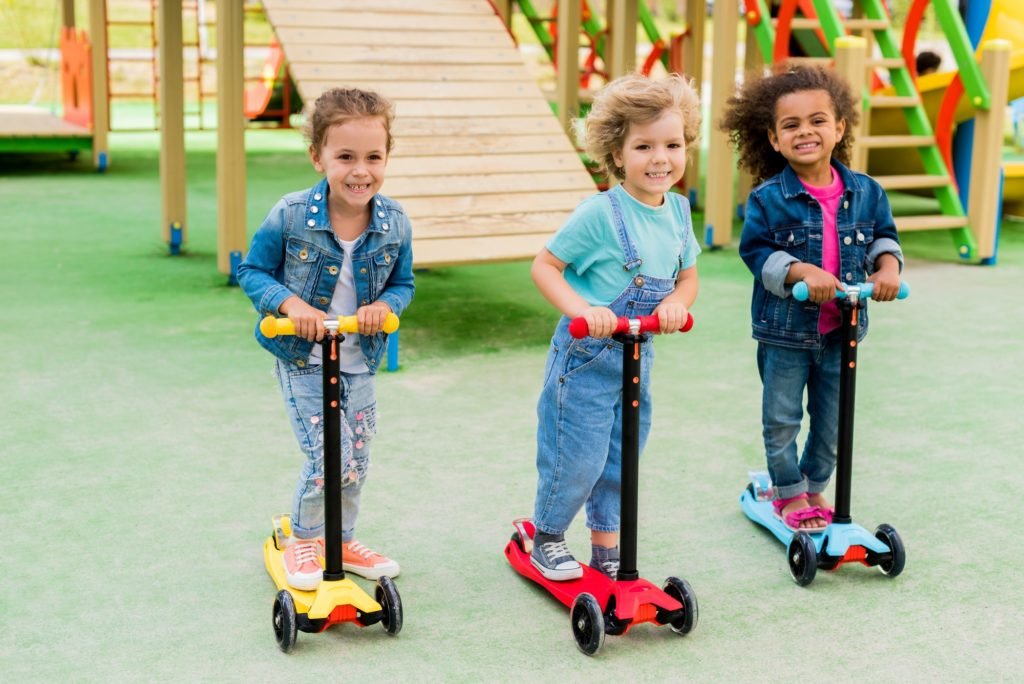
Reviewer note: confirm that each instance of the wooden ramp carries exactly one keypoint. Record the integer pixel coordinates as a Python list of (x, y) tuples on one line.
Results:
[(480, 162), (32, 130)]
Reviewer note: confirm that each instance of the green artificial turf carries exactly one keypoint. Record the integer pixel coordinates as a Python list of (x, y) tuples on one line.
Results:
[(144, 450)]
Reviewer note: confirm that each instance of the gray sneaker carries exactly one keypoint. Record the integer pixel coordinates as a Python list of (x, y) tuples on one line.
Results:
[(608, 567), (606, 560), (552, 559)]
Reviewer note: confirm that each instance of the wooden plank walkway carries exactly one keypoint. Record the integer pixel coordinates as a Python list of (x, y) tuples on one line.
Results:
[(480, 162), (32, 130)]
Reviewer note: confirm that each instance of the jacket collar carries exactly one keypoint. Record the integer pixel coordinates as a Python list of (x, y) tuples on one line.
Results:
[(317, 217), (791, 185)]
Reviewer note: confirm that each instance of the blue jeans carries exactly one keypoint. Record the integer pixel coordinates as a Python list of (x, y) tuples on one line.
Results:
[(784, 374), (302, 389), (579, 431)]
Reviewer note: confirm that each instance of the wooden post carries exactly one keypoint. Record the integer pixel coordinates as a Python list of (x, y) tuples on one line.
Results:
[(718, 207), (100, 89), (504, 10), (621, 46), (67, 13), (851, 59), (172, 125), (230, 138), (752, 61), (985, 196), (567, 56), (693, 64)]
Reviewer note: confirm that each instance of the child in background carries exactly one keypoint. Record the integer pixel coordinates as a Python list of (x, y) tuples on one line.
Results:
[(336, 249), (810, 219), (629, 251)]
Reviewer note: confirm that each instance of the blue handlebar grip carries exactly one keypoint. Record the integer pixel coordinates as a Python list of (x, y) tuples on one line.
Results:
[(800, 292)]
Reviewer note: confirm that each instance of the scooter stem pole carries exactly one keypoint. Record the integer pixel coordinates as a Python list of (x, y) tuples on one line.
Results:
[(847, 391), (630, 453), (332, 459)]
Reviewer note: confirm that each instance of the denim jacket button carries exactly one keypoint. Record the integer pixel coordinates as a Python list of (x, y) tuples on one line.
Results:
[(324, 300), (318, 197), (310, 223), (849, 276), (314, 209), (303, 254), (847, 240), (333, 270), (639, 281), (860, 237), (300, 364), (365, 302), (384, 226), (380, 214), (362, 271), (387, 258), (846, 204)]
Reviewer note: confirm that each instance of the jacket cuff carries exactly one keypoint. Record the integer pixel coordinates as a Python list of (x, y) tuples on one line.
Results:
[(392, 300), (878, 248), (774, 272), (272, 299)]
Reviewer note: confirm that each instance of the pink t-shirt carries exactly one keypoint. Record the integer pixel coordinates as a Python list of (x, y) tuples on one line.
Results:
[(828, 197)]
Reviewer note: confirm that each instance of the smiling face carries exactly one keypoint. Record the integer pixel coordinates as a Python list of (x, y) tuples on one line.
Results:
[(805, 133), (653, 157), (353, 158)]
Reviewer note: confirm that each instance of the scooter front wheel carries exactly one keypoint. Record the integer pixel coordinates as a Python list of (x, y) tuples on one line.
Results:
[(681, 591), (888, 535), (387, 596), (803, 558), (587, 623), (285, 624)]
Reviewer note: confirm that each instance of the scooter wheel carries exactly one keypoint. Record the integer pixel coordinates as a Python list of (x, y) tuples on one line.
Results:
[(587, 623), (681, 591), (894, 566), (387, 596), (803, 559), (285, 625)]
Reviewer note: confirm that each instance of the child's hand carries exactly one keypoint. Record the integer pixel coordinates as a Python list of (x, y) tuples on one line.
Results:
[(309, 321), (671, 316), (887, 285), (371, 317), (601, 321), (821, 285)]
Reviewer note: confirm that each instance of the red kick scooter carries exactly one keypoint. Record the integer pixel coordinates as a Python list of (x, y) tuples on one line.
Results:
[(597, 604)]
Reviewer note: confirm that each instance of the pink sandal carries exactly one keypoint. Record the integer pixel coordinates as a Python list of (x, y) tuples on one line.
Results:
[(793, 519)]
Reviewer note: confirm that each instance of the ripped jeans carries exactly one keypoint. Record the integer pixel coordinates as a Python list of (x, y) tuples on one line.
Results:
[(302, 390)]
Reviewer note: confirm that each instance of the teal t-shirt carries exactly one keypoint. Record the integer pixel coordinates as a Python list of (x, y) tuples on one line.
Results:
[(587, 243)]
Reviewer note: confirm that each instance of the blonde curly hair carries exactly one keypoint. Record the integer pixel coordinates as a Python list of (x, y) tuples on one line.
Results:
[(636, 99), (338, 105)]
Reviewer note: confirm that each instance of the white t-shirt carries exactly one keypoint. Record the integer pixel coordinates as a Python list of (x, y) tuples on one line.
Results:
[(344, 303)]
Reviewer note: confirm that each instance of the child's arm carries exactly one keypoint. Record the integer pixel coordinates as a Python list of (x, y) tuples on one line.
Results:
[(548, 276), (674, 309), (308, 320), (886, 278), (821, 285), (884, 258), (398, 290)]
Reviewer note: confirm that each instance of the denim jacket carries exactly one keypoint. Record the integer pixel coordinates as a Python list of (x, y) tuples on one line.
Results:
[(295, 251), (783, 225)]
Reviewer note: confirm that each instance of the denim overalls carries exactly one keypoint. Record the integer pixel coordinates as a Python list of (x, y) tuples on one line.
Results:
[(579, 434)]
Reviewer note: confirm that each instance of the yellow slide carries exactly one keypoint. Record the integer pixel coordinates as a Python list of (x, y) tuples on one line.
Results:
[(1006, 22)]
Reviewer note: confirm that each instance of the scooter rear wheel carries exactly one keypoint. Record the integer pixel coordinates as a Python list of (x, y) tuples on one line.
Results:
[(681, 591), (803, 558), (285, 624), (387, 596), (587, 623)]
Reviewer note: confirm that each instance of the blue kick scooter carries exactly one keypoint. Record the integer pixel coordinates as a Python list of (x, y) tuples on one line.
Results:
[(842, 541)]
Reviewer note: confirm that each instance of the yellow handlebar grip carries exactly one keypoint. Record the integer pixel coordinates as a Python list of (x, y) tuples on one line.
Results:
[(271, 327)]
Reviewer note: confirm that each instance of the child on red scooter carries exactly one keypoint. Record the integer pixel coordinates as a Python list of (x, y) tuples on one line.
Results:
[(629, 251), (811, 219)]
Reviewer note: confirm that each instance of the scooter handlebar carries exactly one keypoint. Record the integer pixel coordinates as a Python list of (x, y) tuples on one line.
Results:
[(271, 327), (578, 327), (801, 294)]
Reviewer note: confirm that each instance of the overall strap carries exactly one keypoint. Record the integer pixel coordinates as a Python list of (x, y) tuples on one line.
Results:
[(633, 259)]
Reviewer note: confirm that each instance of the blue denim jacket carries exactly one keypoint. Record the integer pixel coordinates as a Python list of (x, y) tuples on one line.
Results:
[(295, 251), (783, 225)]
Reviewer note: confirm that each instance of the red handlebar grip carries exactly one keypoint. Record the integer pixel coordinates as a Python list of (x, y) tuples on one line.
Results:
[(578, 327)]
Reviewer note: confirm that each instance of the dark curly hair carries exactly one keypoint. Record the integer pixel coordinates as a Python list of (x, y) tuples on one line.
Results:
[(750, 114)]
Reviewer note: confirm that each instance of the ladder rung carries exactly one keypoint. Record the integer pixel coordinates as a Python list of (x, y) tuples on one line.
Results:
[(930, 222), (798, 23), (912, 181), (885, 62), (867, 24), (877, 141), (810, 61), (890, 101)]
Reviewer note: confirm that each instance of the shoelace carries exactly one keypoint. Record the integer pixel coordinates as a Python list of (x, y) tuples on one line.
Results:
[(610, 567), (306, 553), (553, 550), (361, 551)]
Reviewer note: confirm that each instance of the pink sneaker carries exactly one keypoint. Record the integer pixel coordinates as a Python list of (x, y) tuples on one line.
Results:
[(302, 566), (360, 560)]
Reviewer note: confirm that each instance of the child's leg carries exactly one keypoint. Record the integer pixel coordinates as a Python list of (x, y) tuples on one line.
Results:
[(819, 457)]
